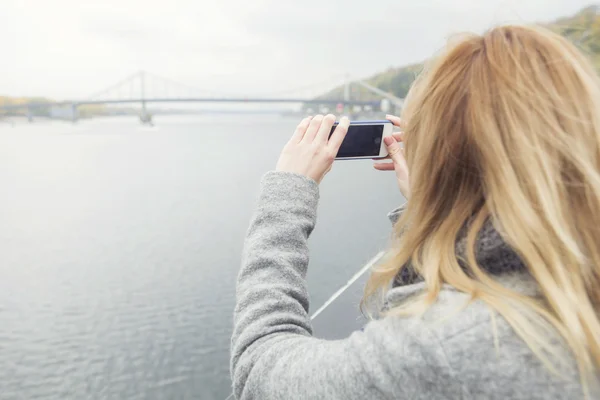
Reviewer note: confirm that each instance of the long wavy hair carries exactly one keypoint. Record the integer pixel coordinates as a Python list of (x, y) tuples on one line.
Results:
[(504, 127)]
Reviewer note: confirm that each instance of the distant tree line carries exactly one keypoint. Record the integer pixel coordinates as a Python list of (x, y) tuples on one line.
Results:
[(583, 29)]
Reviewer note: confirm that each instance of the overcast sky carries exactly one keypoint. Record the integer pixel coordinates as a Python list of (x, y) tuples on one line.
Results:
[(68, 49)]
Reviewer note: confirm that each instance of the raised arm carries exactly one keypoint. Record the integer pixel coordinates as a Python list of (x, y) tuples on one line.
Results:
[(274, 355)]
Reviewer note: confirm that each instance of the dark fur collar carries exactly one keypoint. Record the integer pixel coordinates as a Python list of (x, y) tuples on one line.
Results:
[(493, 254)]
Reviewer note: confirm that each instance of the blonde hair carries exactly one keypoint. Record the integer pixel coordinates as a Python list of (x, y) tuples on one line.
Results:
[(505, 127)]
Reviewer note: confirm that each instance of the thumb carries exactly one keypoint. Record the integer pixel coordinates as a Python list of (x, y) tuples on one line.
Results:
[(394, 151)]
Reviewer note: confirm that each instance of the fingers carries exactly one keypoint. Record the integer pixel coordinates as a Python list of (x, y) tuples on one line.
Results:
[(398, 164), (325, 129), (395, 152), (337, 137), (384, 166), (301, 129), (399, 136), (313, 128), (400, 167), (394, 120)]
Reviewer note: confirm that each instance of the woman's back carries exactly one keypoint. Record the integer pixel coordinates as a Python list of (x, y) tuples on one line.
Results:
[(466, 353)]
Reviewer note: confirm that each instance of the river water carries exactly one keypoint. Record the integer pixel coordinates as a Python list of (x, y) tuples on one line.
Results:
[(120, 245)]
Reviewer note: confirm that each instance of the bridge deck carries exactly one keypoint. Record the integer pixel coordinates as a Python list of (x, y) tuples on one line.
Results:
[(192, 100)]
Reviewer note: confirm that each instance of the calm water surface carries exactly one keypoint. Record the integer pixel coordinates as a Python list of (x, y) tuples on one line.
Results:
[(120, 245)]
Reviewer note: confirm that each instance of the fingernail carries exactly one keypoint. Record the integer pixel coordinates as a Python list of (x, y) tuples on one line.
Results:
[(388, 140)]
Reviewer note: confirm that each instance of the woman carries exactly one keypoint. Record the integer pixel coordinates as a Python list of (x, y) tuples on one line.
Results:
[(492, 284)]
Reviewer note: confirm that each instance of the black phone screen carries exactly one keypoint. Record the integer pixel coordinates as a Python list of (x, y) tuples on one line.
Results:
[(361, 141)]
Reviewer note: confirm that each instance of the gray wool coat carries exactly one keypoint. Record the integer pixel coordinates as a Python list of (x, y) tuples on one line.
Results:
[(449, 353)]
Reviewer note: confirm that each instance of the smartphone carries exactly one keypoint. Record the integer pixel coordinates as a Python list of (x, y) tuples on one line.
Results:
[(364, 140)]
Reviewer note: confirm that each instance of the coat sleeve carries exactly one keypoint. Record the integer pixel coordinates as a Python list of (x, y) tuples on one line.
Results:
[(273, 354)]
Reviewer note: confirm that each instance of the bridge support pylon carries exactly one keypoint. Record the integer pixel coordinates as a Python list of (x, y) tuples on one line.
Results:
[(145, 118), (74, 113), (29, 114)]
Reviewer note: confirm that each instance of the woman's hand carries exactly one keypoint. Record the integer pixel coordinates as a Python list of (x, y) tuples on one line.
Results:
[(310, 151), (396, 154)]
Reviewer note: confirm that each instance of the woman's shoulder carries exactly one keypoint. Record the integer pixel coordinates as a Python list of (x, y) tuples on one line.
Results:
[(475, 342), (454, 311)]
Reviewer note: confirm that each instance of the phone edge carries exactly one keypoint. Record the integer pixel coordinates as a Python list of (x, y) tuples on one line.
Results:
[(383, 153)]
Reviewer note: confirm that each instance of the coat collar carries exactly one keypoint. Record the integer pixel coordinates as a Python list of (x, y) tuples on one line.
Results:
[(493, 254)]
